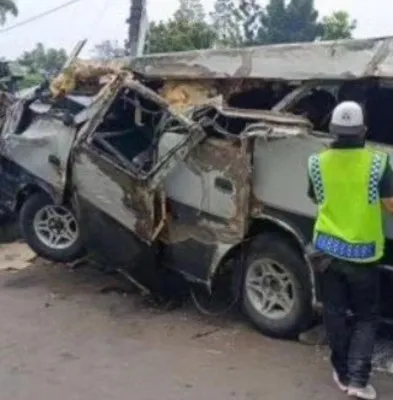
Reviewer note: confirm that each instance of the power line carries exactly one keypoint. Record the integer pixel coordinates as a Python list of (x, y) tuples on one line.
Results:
[(39, 16), (100, 16)]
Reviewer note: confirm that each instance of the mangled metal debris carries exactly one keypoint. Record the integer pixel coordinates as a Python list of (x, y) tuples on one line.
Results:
[(199, 167), (6, 100), (344, 59), (139, 165)]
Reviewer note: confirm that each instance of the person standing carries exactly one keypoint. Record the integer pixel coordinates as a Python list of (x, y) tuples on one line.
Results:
[(350, 184)]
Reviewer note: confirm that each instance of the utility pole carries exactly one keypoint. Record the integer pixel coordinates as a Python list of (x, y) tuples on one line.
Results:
[(137, 28)]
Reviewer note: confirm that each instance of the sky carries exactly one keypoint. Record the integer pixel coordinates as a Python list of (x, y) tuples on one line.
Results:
[(98, 20)]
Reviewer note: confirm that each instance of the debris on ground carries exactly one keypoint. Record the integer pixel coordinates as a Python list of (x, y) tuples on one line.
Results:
[(16, 256), (200, 335)]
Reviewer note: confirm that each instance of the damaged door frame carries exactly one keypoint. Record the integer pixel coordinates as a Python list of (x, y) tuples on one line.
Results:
[(148, 185)]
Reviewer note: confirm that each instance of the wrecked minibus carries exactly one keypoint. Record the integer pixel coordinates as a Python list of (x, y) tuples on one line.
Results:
[(196, 161)]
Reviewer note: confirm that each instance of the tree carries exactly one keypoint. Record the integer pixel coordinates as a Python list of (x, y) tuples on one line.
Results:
[(338, 25), (190, 10), (7, 7), (226, 22), (185, 31), (178, 35), (108, 50), (274, 20), (302, 20), (236, 23), (41, 59), (250, 14)]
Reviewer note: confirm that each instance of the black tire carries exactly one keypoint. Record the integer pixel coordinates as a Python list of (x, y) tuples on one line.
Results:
[(274, 247), (30, 208)]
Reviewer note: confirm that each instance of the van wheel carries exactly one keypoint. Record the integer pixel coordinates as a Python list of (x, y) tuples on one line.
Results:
[(51, 230), (276, 293)]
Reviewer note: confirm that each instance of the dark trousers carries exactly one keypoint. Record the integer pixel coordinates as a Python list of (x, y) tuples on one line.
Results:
[(351, 295)]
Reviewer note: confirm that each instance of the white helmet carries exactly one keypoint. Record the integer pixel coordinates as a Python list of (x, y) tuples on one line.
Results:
[(347, 119)]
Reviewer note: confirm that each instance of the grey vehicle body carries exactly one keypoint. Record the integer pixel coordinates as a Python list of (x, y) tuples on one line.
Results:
[(280, 163), (220, 176)]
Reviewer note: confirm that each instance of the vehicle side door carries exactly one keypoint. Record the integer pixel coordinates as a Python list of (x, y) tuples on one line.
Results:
[(209, 201), (123, 210)]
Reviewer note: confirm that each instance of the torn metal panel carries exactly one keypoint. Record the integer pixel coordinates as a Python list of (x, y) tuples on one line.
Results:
[(125, 196), (182, 94), (344, 59), (273, 131), (6, 100), (278, 118), (292, 97), (97, 110), (267, 125), (280, 167), (195, 135), (214, 181), (74, 54), (13, 116), (114, 192), (27, 94), (42, 149)]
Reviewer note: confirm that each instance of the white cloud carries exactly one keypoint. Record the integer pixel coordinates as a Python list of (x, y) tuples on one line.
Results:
[(105, 19)]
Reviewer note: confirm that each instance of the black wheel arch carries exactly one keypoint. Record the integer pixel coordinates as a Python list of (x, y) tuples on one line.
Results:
[(27, 189)]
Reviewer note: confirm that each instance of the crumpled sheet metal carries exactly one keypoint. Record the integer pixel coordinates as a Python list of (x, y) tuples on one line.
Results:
[(5, 100), (344, 59)]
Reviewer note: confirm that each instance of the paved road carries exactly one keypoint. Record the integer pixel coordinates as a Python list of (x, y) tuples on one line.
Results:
[(66, 336)]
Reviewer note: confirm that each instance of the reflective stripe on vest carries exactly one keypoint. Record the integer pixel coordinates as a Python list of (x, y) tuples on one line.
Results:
[(346, 187)]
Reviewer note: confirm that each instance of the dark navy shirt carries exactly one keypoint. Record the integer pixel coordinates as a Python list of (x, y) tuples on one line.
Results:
[(386, 182)]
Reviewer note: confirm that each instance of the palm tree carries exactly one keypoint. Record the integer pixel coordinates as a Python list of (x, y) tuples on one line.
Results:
[(7, 7)]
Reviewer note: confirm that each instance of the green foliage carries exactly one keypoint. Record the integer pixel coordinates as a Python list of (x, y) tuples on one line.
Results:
[(41, 59), (7, 7), (178, 35), (235, 23), (244, 22), (338, 25), (187, 30), (190, 10), (226, 21), (282, 22), (250, 13), (302, 20), (274, 20)]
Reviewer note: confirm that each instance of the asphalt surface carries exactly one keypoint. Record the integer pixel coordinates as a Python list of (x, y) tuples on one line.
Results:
[(69, 335)]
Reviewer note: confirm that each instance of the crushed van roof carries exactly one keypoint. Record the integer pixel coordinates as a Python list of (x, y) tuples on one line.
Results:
[(344, 59)]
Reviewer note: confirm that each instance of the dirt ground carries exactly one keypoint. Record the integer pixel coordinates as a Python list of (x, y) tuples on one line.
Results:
[(75, 334)]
